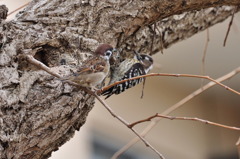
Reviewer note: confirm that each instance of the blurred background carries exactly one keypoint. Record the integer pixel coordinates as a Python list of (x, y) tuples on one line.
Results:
[(102, 135)]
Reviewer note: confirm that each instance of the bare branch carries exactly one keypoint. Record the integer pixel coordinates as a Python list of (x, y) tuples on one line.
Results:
[(205, 52), (204, 55), (238, 146), (183, 118), (127, 124), (229, 27), (40, 65), (172, 75), (176, 28), (17, 9), (176, 106)]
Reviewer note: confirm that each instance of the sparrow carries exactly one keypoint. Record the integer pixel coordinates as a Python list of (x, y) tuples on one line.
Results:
[(93, 71)]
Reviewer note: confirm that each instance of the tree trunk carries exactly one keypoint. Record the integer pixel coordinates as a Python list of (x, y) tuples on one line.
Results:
[(39, 113)]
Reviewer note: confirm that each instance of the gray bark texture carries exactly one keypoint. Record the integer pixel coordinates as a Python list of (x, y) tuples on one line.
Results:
[(38, 112)]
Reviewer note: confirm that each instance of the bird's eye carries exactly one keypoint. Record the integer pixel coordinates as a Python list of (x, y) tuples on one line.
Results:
[(108, 53), (146, 58)]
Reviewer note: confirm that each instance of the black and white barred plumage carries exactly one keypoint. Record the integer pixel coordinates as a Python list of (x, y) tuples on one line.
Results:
[(137, 66)]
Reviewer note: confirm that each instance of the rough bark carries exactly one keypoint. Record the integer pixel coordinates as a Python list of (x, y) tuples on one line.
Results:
[(168, 31), (38, 113)]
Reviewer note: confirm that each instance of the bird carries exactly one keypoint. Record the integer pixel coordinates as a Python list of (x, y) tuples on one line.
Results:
[(139, 65), (93, 71)]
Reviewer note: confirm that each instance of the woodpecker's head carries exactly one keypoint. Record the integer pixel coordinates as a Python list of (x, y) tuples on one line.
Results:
[(146, 61), (105, 50)]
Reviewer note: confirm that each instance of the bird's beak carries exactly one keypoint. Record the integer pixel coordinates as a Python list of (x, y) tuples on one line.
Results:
[(114, 50)]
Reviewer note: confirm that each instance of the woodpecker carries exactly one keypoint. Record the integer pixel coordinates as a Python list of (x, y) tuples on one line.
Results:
[(94, 70), (139, 65)]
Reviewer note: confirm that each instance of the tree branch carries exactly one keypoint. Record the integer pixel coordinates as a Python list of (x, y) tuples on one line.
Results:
[(174, 107), (128, 24), (17, 9), (176, 28), (238, 146), (172, 75), (182, 118), (127, 124), (229, 26)]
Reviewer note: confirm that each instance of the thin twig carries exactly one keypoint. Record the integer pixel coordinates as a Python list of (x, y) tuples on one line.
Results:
[(204, 54), (40, 65), (18, 9), (143, 86), (238, 142), (173, 75), (229, 27), (127, 124), (174, 107), (238, 146), (183, 118)]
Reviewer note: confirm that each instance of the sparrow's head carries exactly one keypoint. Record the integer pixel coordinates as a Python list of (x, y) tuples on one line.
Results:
[(105, 50)]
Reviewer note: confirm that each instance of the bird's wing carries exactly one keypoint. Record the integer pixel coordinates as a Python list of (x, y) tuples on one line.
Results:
[(136, 70), (92, 65), (120, 71)]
